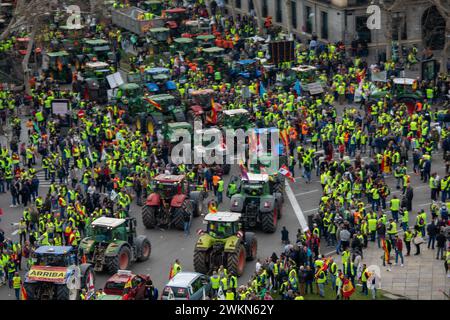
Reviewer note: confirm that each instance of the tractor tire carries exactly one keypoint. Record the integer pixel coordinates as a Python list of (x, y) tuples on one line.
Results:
[(197, 198), (252, 246), (30, 289), (84, 280), (144, 251), (236, 260), (149, 216), (178, 214), (119, 262), (269, 220), (62, 292), (150, 125), (201, 264)]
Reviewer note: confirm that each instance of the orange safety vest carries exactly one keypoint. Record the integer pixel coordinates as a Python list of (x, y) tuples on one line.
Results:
[(304, 129)]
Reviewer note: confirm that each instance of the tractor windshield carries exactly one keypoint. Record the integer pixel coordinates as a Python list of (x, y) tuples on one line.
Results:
[(100, 234), (54, 260), (167, 190), (253, 189), (220, 230)]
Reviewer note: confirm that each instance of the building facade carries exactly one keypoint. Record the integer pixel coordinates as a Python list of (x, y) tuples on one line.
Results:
[(345, 20)]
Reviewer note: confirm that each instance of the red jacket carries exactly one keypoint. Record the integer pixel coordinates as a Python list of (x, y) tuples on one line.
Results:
[(399, 244)]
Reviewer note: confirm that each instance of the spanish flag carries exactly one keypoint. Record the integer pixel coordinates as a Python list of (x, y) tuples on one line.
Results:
[(213, 111), (347, 289), (212, 208), (128, 284), (23, 293), (154, 103), (284, 137)]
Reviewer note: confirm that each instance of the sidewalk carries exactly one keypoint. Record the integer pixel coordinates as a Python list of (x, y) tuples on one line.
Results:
[(421, 278)]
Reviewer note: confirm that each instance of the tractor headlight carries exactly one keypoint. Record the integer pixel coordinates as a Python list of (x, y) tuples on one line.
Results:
[(266, 204), (235, 203)]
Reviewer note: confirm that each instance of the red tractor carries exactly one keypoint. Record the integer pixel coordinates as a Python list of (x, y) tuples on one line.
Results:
[(203, 108), (170, 201)]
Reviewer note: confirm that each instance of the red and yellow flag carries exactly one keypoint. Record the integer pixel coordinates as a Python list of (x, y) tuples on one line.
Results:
[(23, 293), (154, 103)]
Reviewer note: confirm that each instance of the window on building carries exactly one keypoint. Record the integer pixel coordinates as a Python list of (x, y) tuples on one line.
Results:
[(401, 23), (265, 8), (362, 30), (278, 12), (238, 4), (308, 19), (251, 6), (324, 25), (294, 14)]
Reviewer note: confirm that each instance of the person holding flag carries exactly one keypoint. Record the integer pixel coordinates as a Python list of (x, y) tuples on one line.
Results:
[(174, 269), (285, 172), (347, 288), (212, 206)]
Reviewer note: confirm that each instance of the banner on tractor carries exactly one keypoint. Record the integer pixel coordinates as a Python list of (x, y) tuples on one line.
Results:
[(47, 274)]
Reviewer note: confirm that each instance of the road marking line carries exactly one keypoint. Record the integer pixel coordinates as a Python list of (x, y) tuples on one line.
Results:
[(15, 232), (424, 204), (297, 210), (302, 193), (315, 209)]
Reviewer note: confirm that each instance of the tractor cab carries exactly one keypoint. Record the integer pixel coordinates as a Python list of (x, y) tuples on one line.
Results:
[(403, 92), (182, 45), (257, 184), (201, 107), (106, 230), (205, 41), (174, 17), (222, 225), (168, 185), (158, 79), (197, 27), (166, 102), (129, 92), (169, 130), (153, 6), (98, 48), (95, 82), (54, 256), (56, 65), (96, 69), (160, 34), (236, 118), (245, 70), (304, 73)]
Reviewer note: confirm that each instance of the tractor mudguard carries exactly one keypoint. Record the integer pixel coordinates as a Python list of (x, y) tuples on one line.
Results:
[(86, 245), (237, 203), (84, 267), (114, 248), (153, 200), (278, 196), (267, 204), (231, 244), (204, 242), (198, 110), (177, 200)]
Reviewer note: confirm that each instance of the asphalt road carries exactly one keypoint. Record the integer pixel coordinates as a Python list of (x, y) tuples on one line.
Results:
[(167, 245)]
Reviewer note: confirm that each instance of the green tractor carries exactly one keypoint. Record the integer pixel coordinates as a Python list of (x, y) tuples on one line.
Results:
[(112, 244), (237, 119), (402, 91), (95, 85), (259, 203), (97, 48), (224, 243), (159, 37), (153, 6)]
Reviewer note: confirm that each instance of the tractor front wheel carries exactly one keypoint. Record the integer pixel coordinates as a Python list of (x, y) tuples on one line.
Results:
[(62, 292), (145, 250), (149, 216), (201, 264), (236, 260), (119, 262)]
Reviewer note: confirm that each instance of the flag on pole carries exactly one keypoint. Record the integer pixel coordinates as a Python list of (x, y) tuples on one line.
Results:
[(213, 110), (154, 103), (171, 272), (128, 283), (23, 293), (244, 172), (347, 288), (262, 90), (284, 137), (285, 172), (220, 295), (298, 88), (91, 287)]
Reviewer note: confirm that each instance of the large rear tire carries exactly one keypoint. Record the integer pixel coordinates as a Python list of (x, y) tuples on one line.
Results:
[(178, 214), (269, 220), (30, 289), (201, 263), (120, 262), (149, 216), (62, 292), (236, 260)]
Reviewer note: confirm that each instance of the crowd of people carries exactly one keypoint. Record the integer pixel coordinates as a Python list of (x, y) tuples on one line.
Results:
[(97, 165)]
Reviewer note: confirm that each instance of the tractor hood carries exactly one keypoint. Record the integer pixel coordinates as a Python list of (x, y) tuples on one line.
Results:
[(48, 274), (86, 245)]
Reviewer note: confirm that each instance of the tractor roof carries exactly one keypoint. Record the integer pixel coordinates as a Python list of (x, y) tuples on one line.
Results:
[(56, 250), (129, 86), (258, 177), (107, 222), (160, 29), (96, 42), (109, 297), (205, 37), (162, 97), (405, 81), (169, 178), (157, 70), (183, 40), (303, 68), (213, 50), (202, 91), (235, 112), (97, 65), (122, 276), (246, 62), (57, 54), (223, 216)]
